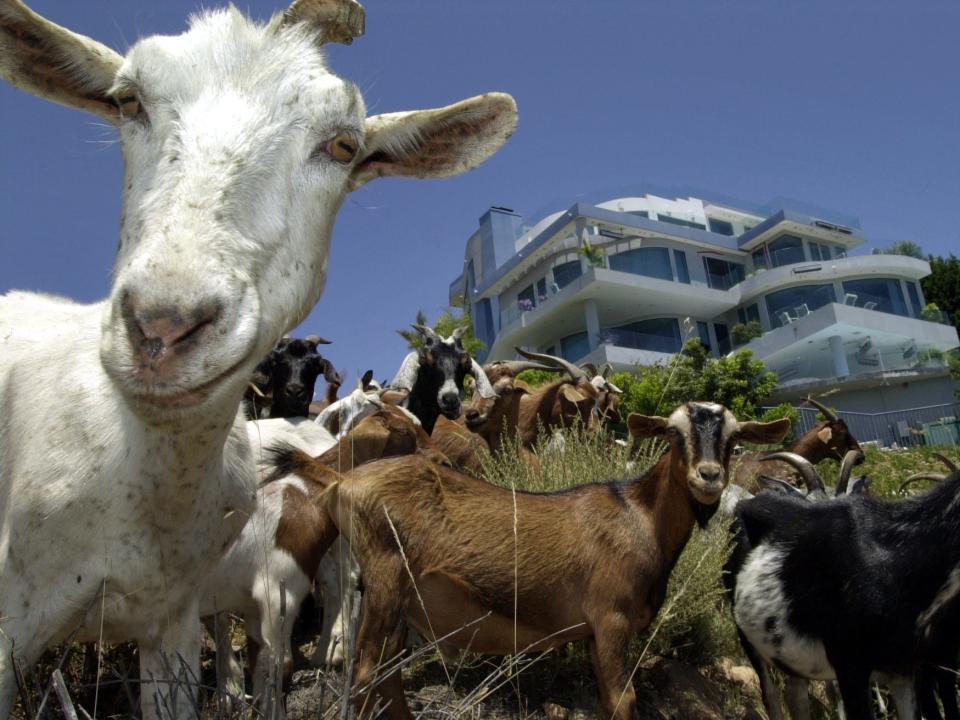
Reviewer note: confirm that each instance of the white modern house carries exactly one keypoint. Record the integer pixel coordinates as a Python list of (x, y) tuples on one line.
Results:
[(658, 271)]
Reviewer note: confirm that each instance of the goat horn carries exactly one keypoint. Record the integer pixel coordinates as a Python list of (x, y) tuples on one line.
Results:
[(483, 382), (518, 366), (427, 332), (572, 370), (317, 340), (846, 467), (606, 370), (937, 477), (340, 20), (590, 369), (457, 333), (951, 465), (827, 412), (256, 391), (808, 473)]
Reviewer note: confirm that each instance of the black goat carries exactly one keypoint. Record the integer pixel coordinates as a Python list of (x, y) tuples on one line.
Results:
[(432, 377), (850, 588), (797, 696), (285, 379)]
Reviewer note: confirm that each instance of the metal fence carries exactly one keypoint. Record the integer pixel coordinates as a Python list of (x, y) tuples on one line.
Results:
[(932, 425)]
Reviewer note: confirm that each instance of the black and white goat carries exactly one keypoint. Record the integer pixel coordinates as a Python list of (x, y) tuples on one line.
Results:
[(287, 376), (797, 697), (850, 588), (432, 377)]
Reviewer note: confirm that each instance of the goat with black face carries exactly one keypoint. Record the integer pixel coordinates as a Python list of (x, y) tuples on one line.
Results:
[(288, 376), (433, 377)]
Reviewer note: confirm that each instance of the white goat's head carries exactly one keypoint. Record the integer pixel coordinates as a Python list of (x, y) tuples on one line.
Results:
[(240, 145)]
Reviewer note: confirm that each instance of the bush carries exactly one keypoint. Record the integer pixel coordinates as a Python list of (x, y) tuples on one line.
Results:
[(742, 333), (739, 381), (784, 410)]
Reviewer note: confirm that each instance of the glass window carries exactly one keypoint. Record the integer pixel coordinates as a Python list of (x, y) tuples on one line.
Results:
[(678, 221), (657, 334), (683, 273), (703, 331), (566, 273), (914, 294), (753, 312), (651, 262), (541, 289), (786, 306), (721, 274), (573, 347), (786, 250), (720, 226), (525, 299), (880, 294), (723, 338), (741, 315), (639, 213), (759, 258), (815, 251)]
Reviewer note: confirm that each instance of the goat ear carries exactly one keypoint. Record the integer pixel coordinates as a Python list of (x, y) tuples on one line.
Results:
[(51, 62), (764, 433), (435, 143), (340, 20), (825, 435), (641, 426)]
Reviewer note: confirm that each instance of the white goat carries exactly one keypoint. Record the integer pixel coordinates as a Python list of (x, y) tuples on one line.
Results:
[(119, 492)]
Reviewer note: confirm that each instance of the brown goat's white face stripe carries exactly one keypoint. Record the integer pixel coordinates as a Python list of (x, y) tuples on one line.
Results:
[(706, 431)]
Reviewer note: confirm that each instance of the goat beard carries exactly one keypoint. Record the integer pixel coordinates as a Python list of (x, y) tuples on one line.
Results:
[(703, 513)]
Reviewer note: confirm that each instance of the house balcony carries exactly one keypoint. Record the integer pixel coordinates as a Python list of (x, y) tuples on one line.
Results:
[(848, 343), (623, 296)]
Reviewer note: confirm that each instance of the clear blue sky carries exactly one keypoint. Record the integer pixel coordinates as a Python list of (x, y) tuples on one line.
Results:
[(852, 106)]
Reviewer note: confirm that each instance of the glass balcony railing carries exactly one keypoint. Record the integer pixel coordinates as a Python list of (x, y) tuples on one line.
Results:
[(519, 307), (640, 341), (867, 359)]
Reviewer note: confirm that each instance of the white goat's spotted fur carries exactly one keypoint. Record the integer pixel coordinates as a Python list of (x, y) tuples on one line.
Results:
[(761, 608), (124, 478)]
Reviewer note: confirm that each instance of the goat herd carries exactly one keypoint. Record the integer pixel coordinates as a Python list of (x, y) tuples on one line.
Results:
[(136, 497)]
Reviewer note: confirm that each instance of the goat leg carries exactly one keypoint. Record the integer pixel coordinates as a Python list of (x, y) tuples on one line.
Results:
[(608, 648), (854, 685), (797, 697), (379, 641)]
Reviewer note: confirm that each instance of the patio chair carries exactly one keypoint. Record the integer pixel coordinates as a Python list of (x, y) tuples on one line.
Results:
[(850, 299), (869, 305)]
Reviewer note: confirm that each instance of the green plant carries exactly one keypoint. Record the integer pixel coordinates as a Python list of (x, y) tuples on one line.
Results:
[(942, 286), (931, 354), (906, 247), (738, 381), (784, 410), (931, 312), (742, 333), (594, 255)]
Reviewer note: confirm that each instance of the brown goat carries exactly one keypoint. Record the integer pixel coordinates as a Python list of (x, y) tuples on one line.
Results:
[(463, 559), (830, 439)]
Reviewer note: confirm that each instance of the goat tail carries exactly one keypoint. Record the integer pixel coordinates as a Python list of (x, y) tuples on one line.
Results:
[(284, 459)]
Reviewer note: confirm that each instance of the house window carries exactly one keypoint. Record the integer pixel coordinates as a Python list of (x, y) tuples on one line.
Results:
[(525, 300), (786, 250), (721, 227), (721, 274), (541, 289), (914, 293), (819, 252), (566, 273), (650, 262), (657, 334), (787, 306), (723, 338), (753, 312), (880, 294), (639, 213), (703, 331), (759, 258), (574, 347), (683, 272), (679, 221)]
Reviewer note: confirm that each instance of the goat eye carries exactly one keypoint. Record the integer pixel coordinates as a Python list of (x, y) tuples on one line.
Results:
[(343, 148), (130, 105)]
